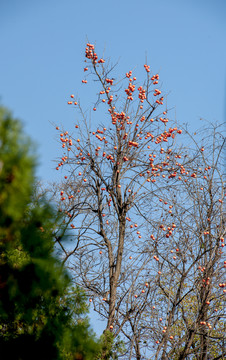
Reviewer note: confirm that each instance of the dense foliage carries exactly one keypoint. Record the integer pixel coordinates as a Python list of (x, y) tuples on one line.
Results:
[(41, 315)]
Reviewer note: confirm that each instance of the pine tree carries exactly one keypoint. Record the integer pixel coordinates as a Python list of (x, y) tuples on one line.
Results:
[(41, 315)]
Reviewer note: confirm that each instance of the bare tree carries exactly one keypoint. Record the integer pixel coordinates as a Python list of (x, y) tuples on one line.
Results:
[(189, 319), (141, 242)]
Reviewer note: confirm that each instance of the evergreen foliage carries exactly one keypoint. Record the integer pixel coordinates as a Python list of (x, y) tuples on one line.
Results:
[(41, 316)]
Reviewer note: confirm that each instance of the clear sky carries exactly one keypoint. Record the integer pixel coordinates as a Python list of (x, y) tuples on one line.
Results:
[(42, 51), (42, 46)]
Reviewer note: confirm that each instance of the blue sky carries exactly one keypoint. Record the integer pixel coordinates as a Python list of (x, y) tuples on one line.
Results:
[(42, 52)]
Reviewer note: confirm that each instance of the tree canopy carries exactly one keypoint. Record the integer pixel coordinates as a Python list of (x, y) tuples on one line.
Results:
[(143, 199), (41, 315)]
